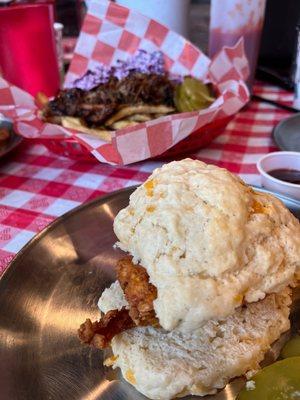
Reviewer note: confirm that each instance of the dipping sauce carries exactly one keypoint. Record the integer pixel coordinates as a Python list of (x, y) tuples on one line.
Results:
[(286, 175)]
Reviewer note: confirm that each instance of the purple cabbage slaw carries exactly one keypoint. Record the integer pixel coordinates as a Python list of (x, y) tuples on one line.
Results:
[(142, 62)]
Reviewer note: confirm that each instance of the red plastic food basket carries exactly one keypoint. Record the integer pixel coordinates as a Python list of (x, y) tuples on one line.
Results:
[(201, 138)]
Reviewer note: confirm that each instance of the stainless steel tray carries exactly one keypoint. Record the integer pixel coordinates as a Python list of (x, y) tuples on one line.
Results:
[(50, 288)]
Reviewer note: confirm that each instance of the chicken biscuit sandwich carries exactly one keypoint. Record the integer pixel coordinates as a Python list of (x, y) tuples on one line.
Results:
[(204, 287)]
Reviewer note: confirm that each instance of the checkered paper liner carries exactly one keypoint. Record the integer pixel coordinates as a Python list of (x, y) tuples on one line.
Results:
[(112, 32)]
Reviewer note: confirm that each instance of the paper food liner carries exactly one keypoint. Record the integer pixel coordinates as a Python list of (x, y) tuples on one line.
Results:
[(111, 32)]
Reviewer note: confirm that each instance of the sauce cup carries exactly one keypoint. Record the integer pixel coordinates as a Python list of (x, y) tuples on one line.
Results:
[(280, 160)]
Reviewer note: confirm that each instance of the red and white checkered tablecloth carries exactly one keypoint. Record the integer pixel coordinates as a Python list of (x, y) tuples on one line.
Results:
[(37, 186)]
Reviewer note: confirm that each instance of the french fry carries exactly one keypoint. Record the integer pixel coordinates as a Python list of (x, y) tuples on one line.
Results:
[(55, 119), (41, 99), (140, 117), (76, 124), (140, 109), (123, 123)]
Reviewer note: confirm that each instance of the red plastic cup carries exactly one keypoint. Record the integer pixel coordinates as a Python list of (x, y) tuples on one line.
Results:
[(27, 48)]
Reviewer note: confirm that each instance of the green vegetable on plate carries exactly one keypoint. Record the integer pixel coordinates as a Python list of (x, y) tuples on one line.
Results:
[(279, 381), (193, 95), (291, 348)]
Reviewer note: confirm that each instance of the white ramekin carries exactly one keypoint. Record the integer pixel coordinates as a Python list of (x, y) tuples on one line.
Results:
[(279, 160)]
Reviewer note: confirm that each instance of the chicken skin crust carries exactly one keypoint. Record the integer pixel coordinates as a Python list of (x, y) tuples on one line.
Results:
[(100, 333), (139, 293)]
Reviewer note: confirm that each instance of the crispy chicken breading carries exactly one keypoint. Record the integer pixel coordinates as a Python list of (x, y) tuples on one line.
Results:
[(139, 294), (100, 333)]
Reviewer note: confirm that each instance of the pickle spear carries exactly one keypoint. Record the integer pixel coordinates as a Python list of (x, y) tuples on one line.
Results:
[(279, 381), (192, 95), (291, 348)]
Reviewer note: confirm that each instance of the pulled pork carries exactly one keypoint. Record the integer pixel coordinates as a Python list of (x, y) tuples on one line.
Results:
[(95, 106)]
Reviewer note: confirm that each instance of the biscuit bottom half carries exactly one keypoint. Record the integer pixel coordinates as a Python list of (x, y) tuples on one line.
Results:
[(163, 365)]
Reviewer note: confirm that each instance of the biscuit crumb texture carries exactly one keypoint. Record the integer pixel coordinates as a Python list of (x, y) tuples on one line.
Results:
[(112, 298), (250, 385)]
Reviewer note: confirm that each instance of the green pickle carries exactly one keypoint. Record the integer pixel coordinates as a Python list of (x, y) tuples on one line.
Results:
[(292, 348), (279, 381), (192, 95)]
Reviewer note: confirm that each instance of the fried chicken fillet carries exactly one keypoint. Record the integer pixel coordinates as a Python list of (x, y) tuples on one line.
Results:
[(139, 293)]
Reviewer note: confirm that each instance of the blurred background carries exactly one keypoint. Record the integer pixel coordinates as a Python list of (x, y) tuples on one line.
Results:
[(277, 54), (278, 47)]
